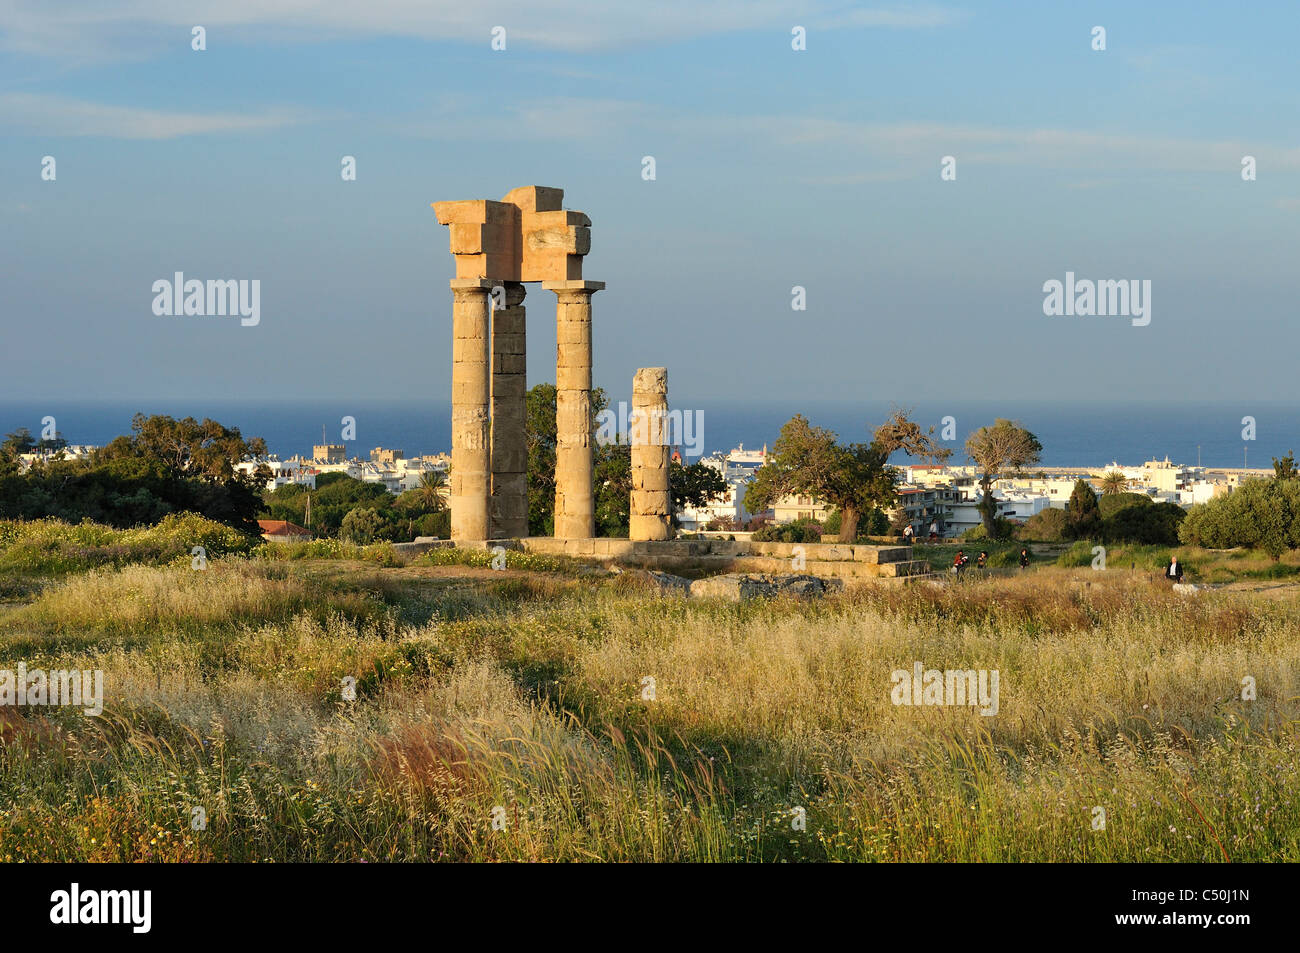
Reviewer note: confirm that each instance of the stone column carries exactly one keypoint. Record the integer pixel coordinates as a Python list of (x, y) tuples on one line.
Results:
[(575, 507), (651, 516), (471, 467), (509, 447)]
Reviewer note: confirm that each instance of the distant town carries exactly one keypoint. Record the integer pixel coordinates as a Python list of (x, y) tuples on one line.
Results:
[(945, 497)]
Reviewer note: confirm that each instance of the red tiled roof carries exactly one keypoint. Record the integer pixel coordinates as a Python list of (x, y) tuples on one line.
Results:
[(281, 528)]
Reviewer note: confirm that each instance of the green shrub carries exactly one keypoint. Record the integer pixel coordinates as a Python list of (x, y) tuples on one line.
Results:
[(361, 525), (800, 531), (1113, 503), (1151, 524), (482, 558), (1003, 528), (1004, 558), (1046, 526), (1261, 514), (52, 547)]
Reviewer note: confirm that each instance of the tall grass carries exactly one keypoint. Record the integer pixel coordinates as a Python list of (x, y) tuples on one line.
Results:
[(497, 721)]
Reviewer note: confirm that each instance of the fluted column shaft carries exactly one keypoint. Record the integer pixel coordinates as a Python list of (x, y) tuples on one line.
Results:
[(471, 465), (509, 445), (575, 509)]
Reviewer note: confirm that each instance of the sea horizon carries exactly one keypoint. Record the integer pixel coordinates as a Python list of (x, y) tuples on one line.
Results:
[(1083, 433)]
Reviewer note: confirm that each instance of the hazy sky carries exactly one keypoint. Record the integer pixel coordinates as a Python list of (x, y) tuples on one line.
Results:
[(775, 168)]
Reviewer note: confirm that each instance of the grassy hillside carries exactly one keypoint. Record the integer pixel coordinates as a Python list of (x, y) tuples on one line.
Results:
[(522, 690)]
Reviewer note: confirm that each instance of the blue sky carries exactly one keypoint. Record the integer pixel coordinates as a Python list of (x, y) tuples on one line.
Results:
[(775, 168)]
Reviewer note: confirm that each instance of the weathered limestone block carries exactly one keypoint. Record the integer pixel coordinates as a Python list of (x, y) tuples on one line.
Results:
[(470, 425), (651, 508), (575, 509), (509, 506), (738, 587), (485, 237)]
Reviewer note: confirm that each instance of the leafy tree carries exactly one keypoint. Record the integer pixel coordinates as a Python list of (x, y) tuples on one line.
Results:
[(1004, 447), (612, 474), (361, 526), (1082, 514), (1261, 514), (20, 441), (873, 523), (853, 477), (898, 521), (1112, 482), (1153, 524), (1112, 504), (695, 485), (164, 466), (207, 450), (1285, 468), (539, 435)]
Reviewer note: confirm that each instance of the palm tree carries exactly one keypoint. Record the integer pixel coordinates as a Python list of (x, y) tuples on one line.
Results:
[(433, 484), (1113, 482)]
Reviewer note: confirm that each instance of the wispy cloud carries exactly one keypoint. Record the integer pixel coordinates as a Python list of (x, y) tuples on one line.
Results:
[(59, 116), (856, 151), (92, 28)]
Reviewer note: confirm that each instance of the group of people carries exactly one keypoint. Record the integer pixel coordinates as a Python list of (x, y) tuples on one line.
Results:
[(961, 560), (1173, 572), (909, 534)]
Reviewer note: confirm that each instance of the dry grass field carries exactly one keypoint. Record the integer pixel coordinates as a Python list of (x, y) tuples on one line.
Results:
[(501, 716)]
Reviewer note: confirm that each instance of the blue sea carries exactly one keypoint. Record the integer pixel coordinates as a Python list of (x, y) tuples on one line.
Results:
[(1083, 434)]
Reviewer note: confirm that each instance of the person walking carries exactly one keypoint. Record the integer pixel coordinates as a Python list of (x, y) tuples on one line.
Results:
[(981, 559), (908, 534), (1175, 571), (1024, 558), (934, 530)]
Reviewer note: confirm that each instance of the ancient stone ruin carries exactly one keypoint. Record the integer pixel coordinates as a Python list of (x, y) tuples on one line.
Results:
[(651, 512), (498, 247)]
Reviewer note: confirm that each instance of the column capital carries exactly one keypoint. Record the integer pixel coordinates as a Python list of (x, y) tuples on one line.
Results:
[(576, 286), (471, 284)]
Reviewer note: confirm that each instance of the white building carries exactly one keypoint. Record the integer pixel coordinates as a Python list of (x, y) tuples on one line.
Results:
[(736, 468), (283, 472)]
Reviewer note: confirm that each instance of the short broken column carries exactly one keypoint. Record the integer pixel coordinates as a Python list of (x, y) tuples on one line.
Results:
[(471, 468), (651, 513), (509, 392)]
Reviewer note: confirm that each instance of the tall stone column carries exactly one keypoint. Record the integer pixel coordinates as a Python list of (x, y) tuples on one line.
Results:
[(471, 466), (575, 508), (651, 515), (509, 447)]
